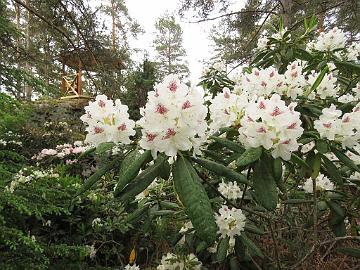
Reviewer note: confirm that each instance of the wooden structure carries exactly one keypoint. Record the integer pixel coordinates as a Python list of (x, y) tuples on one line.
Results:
[(83, 59)]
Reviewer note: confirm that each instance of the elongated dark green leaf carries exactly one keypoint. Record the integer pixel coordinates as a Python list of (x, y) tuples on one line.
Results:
[(201, 246), (318, 80), (265, 185), (253, 229), (278, 170), (229, 144), (142, 181), (322, 146), (295, 158), (297, 201), (249, 156), (350, 66), (136, 215), (234, 263), (333, 172), (222, 249), (96, 176), (165, 170), (316, 165), (353, 252), (335, 207), (194, 197), (221, 170), (130, 168), (253, 249), (104, 147), (87, 153), (344, 159)]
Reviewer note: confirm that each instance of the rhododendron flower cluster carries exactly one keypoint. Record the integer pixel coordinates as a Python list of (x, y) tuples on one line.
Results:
[(322, 183), (230, 190), (273, 125), (329, 41), (107, 121), (231, 221), (345, 129), (171, 261), (263, 82), (226, 109), (62, 151), (173, 118)]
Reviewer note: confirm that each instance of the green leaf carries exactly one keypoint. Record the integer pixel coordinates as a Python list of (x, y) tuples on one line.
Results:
[(316, 165), (142, 181), (229, 144), (253, 249), (201, 246), (97, 176), (265, 185), (194, 197), (165, 170), (336, 208), (234, 263), (104, 147), (221, 170), (332, 171), (322, 146), (222, 249), (136, 215), (295, 158), (350, 66), (318, 80), (130, 168), (353, 252), (278, 170), (253, 229), (344, 159), (249, 156)]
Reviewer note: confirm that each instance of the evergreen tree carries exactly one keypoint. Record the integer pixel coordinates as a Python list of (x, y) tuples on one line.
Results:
[(168, 45)]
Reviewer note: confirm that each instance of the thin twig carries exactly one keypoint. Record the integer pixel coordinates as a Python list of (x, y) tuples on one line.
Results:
[(234, 13), (275, 245)]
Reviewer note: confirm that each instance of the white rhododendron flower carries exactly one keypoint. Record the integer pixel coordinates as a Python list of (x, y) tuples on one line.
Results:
[(347, 98), (345, 129), (132, 267), (173, 119), (329, 41), (307, 147), (327, 87), (273, 125), (322, 183), (294, 80), (262, 43), (263, 82), (171, 261), (230, 190), (107, 122), (226, 109), (231, 221), (186, 227)]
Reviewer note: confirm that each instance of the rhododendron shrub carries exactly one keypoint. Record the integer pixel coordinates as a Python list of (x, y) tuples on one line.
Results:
[(283, 131)]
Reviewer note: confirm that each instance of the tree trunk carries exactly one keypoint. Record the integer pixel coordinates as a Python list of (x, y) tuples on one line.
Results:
[(17, 18), (28, 88), (322, 16), (113, 34), (286, 12)]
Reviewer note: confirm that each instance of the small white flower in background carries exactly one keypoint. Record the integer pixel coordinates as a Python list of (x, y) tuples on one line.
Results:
[(347, 98), (273, 125), (327, 87), (107, 121), (329, 41), (173, 119), (219, 66), (307, 147), (226, 109), (262, 43), (132, 267), (231, 221), (230, 190), (186, 227), (280, 34), (92, 251), (171, 261), (355, 175), (322, 183), (97, 222)]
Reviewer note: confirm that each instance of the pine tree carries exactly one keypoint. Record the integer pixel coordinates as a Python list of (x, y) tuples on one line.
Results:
[(169, 48)]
